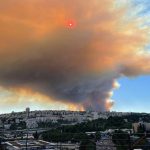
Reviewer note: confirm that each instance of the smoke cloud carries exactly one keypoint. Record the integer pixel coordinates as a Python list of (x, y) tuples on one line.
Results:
[(76, 64)]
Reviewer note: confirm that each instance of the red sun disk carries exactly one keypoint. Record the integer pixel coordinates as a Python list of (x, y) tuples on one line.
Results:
[(71, 24)]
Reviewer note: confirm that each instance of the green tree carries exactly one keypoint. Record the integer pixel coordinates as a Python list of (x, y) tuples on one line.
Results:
[(87, 145), (13, 126), (36, 135), (121, 140), (97, 136), (80, 136), (141, 130)]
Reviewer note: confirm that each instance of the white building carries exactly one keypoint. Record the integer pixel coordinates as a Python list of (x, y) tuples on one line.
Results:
[(95, 115), (145, 124), (7, 126), (31, 123)]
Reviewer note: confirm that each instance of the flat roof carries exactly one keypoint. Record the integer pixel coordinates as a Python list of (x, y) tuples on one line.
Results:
[(30, 143)]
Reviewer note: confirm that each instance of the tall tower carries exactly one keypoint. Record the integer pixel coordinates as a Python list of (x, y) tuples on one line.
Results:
[(27, 112)]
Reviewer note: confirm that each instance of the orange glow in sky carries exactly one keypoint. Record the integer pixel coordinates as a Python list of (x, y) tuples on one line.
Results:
[(71, 24)]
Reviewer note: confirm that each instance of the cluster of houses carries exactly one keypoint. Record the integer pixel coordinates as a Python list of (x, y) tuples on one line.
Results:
[(32, 118)]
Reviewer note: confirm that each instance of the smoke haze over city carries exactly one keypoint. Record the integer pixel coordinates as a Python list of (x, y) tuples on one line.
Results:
[(70, 53)]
